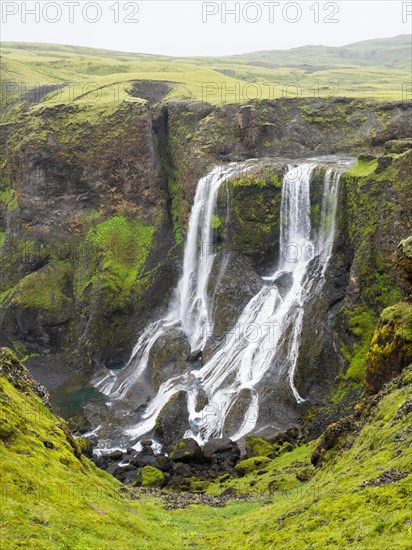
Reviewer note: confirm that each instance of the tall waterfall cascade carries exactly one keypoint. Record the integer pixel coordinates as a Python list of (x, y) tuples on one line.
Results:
[(242, 360)]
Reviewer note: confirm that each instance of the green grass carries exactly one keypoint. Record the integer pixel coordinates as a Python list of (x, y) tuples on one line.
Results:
[(53, 500), (103, 77)]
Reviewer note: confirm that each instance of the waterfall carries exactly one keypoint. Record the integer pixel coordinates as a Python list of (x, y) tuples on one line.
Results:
[(190, 308), (241, 361)]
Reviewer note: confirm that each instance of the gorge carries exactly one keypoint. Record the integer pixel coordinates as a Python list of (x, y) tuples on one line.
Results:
[(205, 307)]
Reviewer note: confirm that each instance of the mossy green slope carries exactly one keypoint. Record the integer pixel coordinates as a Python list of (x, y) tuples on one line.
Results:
[(54, 498)]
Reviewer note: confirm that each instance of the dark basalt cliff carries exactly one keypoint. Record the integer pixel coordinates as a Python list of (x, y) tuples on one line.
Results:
[(94, 208)]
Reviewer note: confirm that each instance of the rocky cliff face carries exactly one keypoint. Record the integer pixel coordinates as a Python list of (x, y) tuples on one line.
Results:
[(87, 233), (94, 208)]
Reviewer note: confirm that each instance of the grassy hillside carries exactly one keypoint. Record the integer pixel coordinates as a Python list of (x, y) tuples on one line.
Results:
[(53, 498), (378, 69), (382, 52)]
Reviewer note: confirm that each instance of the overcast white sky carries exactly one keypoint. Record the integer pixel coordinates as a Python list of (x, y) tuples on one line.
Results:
[(199, 28)]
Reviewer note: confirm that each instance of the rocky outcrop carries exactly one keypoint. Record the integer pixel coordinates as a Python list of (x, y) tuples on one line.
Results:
[(173, 420), (403, 264), (391, 347), (88, 237), (248, 214), (19, 377), (168, 357)]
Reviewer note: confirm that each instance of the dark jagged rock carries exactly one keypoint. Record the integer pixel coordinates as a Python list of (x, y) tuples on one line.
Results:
[(163, 462), (383, 163), (292, 434), (334, 432), (187, 450), (145, 457), (167, 358), (284, 282), (173, 420), (195, 356), (114, 455), (219, 447)]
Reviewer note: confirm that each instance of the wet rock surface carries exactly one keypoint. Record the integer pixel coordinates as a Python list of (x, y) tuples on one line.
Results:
[(173, 420)]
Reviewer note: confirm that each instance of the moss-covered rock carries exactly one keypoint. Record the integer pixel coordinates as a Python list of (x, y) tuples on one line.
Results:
[(398, 146), (248, 209), (17, 375), (391, 347), (85, 446), (253, 464), (151, 477), (379, 215), (187, 450), (258, 446), (403, 262), (305, 474)]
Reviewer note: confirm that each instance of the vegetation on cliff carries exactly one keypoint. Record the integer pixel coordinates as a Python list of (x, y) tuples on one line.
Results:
[(379, 215)]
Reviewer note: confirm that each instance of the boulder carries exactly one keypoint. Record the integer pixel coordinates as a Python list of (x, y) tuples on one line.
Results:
[(168, 357), (114, 455), (163, 462), (284, 282), (258, 446), (150, 477), (220, 446), (249, 465), (187, 450), (182, 469), (173, 420), (237, 412), (145, 457)]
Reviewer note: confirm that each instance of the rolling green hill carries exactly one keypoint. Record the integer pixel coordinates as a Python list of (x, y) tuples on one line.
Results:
[(378, 69), (394, 53)]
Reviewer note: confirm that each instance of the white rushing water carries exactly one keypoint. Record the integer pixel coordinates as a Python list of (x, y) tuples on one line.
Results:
[(271, 323), (190, 308)]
